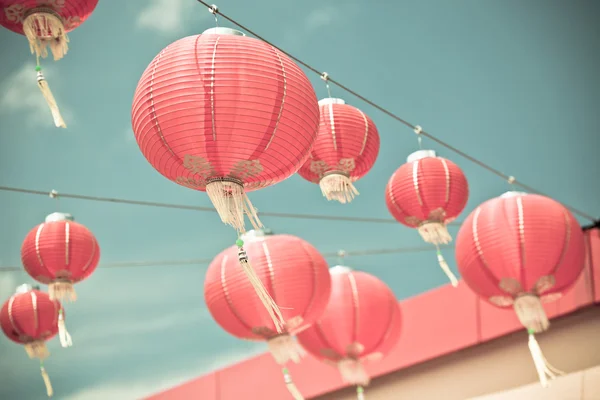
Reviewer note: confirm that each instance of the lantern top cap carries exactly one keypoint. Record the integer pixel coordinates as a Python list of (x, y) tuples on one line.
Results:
[(59, 216), (256, 234), (420, 154), (220, 30), (512, 194), (24, 288), (331, 100), (340, 269)]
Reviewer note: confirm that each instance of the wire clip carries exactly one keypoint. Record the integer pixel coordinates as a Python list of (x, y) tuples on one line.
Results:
[(342, 253), (511, 179), (418, 129), (53, 194), (213, 9), (325, 76)]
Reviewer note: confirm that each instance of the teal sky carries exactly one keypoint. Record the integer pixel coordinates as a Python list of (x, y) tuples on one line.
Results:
[(511, 82)]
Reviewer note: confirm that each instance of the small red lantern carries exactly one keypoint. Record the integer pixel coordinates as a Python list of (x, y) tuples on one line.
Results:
[(45, 23), (520, 250), (60, 252), (345, 150), (362, 323), (31, 318), (427, 193), (295, 275)]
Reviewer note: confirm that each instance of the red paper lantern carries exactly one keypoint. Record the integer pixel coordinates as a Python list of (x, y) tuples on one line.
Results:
[(45, 23), (427, 193), (60, 252), (31, 318), (362, 322), (520, 250), (225, 114), (345, 150)]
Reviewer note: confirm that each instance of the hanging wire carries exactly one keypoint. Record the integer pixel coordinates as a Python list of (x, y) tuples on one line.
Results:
[(205, 261), (402, 121), (199, 208)]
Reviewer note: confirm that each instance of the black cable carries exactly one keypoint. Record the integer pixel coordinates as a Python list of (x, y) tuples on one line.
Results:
[(213, 9)]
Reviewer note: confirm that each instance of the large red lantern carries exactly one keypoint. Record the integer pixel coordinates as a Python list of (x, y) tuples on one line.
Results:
[(295, 275), (427, 193), (345, 150), (60, 252), (520, 250), (362, 323), (225, 114), (31, 318), (46, 23)]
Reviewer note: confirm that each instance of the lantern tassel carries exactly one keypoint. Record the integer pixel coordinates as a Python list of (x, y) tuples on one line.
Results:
[(444, 266), (46, 378), (291, 387), (62, 291), (260, 289), (43, 30), (531, 313), (360, 393), (542, 366), (353, 372), (285, 348), (37, 349), (231, 202), (338, 187), (434, 233), (45, 89), (63, 334)]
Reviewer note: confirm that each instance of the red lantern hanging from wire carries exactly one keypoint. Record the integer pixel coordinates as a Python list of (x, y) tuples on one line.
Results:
[(345, 150), (46, 23), (296, 276), (521, 250), (362, 323), (60, 253), (427, 193), (226, 114), (30, 318)]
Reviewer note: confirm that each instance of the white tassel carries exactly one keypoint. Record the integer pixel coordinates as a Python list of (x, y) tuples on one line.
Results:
[(47, 383), (444, 266), (360, 393), (285, 348), (43, 30), (62, 291), (37, 349), (261, 291), (291, 387), (353, 372), (49, 97), (231, 202), (63, 334), (338, 187), (542, 366), (435, 233)]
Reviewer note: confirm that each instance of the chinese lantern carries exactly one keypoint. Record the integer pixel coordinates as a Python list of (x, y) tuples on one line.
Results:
[(362, 323), (31, 318), (46, 23), (520, 250), (345, 150), (60, 252), (225, 114), (295, 274), (427, 193)]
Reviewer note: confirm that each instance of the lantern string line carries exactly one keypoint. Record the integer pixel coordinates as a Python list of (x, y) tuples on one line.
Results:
[(206, 261), (55, 194), (397, 118)]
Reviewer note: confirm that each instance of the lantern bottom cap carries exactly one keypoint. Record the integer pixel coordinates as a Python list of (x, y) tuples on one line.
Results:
[(337, 185), (530, 312), (434, 232), (285, 348)]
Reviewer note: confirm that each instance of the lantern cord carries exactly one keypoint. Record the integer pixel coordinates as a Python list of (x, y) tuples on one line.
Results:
[(63, 334), (444, 266), (46, 378), (49, 97), (360, 393), (544, 369), (397, 118), (289, 383)]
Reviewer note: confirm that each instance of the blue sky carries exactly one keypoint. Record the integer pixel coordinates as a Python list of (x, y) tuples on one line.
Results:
[(513, 83)]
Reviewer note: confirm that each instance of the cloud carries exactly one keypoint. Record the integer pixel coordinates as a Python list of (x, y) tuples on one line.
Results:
[(165, 16), (19, 94)]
